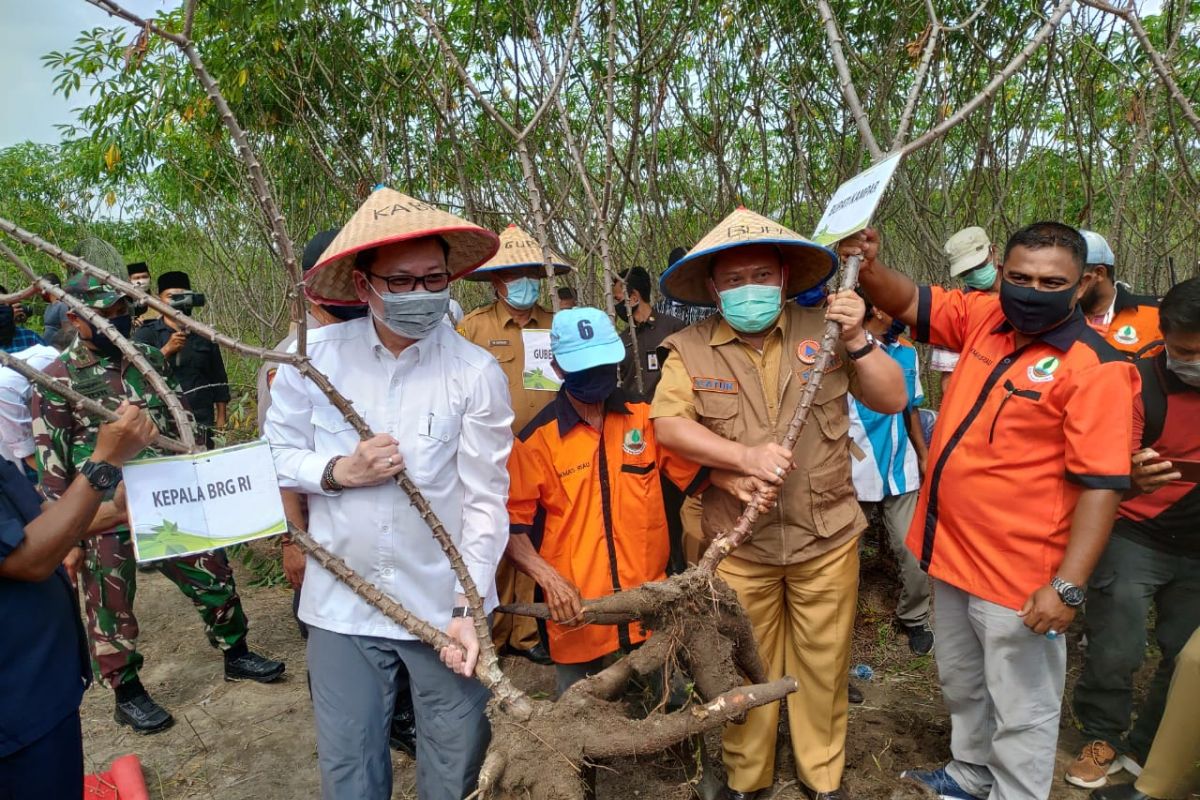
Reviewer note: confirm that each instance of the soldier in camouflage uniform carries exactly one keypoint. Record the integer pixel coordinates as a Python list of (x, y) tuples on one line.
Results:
[(65, 438)]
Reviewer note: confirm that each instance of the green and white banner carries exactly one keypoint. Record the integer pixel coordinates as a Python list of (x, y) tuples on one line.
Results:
[(852, 205), (180, 505)]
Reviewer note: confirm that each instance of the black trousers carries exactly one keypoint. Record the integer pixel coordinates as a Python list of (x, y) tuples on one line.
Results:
[(51, 767)]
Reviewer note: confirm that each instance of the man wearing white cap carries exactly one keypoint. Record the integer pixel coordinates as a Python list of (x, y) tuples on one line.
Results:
[(1127, 321), (729, 388), (440, 409), (973, 261), (516, 273)]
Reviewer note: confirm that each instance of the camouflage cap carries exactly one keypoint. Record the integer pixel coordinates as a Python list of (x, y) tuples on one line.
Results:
[(93, 292)]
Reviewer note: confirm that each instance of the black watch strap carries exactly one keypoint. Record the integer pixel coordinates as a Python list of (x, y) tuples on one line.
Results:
[(102, 475), (855, 355), (460, 611)]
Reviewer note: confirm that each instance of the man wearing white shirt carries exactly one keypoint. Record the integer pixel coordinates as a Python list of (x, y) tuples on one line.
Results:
[(440, 409), (16, 422)]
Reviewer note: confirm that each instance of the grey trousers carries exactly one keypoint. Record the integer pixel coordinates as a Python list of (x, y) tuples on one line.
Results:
[(1129, 578), (913, 606), (353, 680), (1003, 685)]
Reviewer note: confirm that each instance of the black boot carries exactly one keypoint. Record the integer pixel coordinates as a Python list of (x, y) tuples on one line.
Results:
[(242, 664), (138, 711)]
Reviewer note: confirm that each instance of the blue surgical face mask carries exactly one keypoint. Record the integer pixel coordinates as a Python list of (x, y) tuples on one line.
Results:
[(981, 278), (751, 308), (412, 315), (522, 293)]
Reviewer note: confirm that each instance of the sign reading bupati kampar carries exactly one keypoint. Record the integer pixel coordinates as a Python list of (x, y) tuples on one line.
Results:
[(179, 505)]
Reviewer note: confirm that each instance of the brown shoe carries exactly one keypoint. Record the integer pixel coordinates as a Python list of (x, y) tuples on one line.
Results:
[(1097, 760)]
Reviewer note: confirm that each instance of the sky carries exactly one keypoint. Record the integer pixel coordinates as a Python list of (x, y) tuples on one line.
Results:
[(29, 29)]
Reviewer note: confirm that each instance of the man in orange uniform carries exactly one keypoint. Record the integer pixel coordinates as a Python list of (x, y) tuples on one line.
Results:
[(1127, 321), (588, 464), (1027, 466)]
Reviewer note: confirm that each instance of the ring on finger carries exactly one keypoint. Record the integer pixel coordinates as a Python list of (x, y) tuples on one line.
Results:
[(779, 471), (391, 461)]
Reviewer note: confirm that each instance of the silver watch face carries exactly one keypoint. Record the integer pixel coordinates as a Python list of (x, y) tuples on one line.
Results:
[(1071, 595)]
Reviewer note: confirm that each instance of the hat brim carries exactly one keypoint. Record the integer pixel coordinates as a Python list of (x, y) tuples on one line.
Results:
[(530, 270), (968, 262), (809, 264), (595, 356), (331, 281), (103, 301)]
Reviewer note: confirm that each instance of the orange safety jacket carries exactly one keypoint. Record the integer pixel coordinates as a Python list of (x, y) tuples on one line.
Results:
[(1134, 328), (591, 502)]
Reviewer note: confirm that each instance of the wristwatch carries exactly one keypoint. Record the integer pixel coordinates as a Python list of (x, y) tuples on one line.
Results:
[(101, 475), (855, 355), (1069, 593), (460, 611)]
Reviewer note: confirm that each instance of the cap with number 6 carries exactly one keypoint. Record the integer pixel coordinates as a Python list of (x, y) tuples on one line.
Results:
[(582, 338)]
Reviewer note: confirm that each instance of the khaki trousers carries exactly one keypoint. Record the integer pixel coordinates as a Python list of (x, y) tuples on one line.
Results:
[(694, 543), (1172, 771), (803, 617), (514, 586)]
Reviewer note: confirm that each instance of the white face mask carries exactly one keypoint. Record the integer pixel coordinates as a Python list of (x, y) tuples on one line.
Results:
[(414, 314), (1186, 371), (141, 283)]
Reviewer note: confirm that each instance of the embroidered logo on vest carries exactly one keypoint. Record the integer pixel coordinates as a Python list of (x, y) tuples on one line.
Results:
[(1043, 371), (1126, 335), (634, 443)]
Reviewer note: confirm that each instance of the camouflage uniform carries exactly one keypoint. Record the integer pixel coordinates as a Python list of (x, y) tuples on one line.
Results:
[(64, 439)]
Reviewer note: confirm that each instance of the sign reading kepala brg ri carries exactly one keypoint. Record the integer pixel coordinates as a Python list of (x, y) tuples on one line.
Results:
[(180, 505)]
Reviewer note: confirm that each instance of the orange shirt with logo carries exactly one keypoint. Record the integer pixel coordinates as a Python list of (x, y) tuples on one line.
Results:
[(596, 501), (1021, 433), (1134, 327)]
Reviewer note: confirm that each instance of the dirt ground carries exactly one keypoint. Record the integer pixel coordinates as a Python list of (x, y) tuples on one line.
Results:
[(243, 741)]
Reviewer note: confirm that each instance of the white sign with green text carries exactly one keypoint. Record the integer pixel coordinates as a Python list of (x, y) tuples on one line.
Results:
[(180, 505)]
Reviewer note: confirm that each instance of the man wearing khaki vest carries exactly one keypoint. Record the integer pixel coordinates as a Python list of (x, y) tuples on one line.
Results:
[(729, 388), (515, 272)]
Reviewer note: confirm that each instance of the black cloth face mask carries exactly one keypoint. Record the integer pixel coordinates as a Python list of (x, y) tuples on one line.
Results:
[(591, 385), (105, 346), (1033, 311)]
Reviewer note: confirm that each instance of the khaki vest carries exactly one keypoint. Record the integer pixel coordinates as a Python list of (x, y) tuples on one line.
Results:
[(817, 509)]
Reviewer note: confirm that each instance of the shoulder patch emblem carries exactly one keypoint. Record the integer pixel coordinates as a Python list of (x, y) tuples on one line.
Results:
[(634, 443), (1127, 334), (1043, 371), (720, 385), (807, 351)]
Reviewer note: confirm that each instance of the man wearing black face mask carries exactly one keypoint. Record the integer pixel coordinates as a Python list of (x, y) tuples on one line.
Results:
[(589, 464), (64, 441), (1038, 412), (195, 361), (632, 298)]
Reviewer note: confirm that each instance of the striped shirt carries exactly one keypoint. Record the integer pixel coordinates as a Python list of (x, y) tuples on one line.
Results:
[(889, 464)]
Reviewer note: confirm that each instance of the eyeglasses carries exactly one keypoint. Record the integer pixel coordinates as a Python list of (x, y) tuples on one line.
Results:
[(399, 284)]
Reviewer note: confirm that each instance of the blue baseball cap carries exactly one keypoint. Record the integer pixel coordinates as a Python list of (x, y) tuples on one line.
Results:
[(1098, 250), (582, 338)]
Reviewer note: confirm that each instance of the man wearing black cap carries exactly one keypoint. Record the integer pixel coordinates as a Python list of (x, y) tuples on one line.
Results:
[(139, 276), (195, 361)]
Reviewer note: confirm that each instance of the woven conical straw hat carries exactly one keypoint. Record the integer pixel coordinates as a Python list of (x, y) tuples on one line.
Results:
[(520, 251), (808, 263), (388, 217)]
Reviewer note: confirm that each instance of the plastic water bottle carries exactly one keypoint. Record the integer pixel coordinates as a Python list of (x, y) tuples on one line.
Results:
[(863, 672)]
